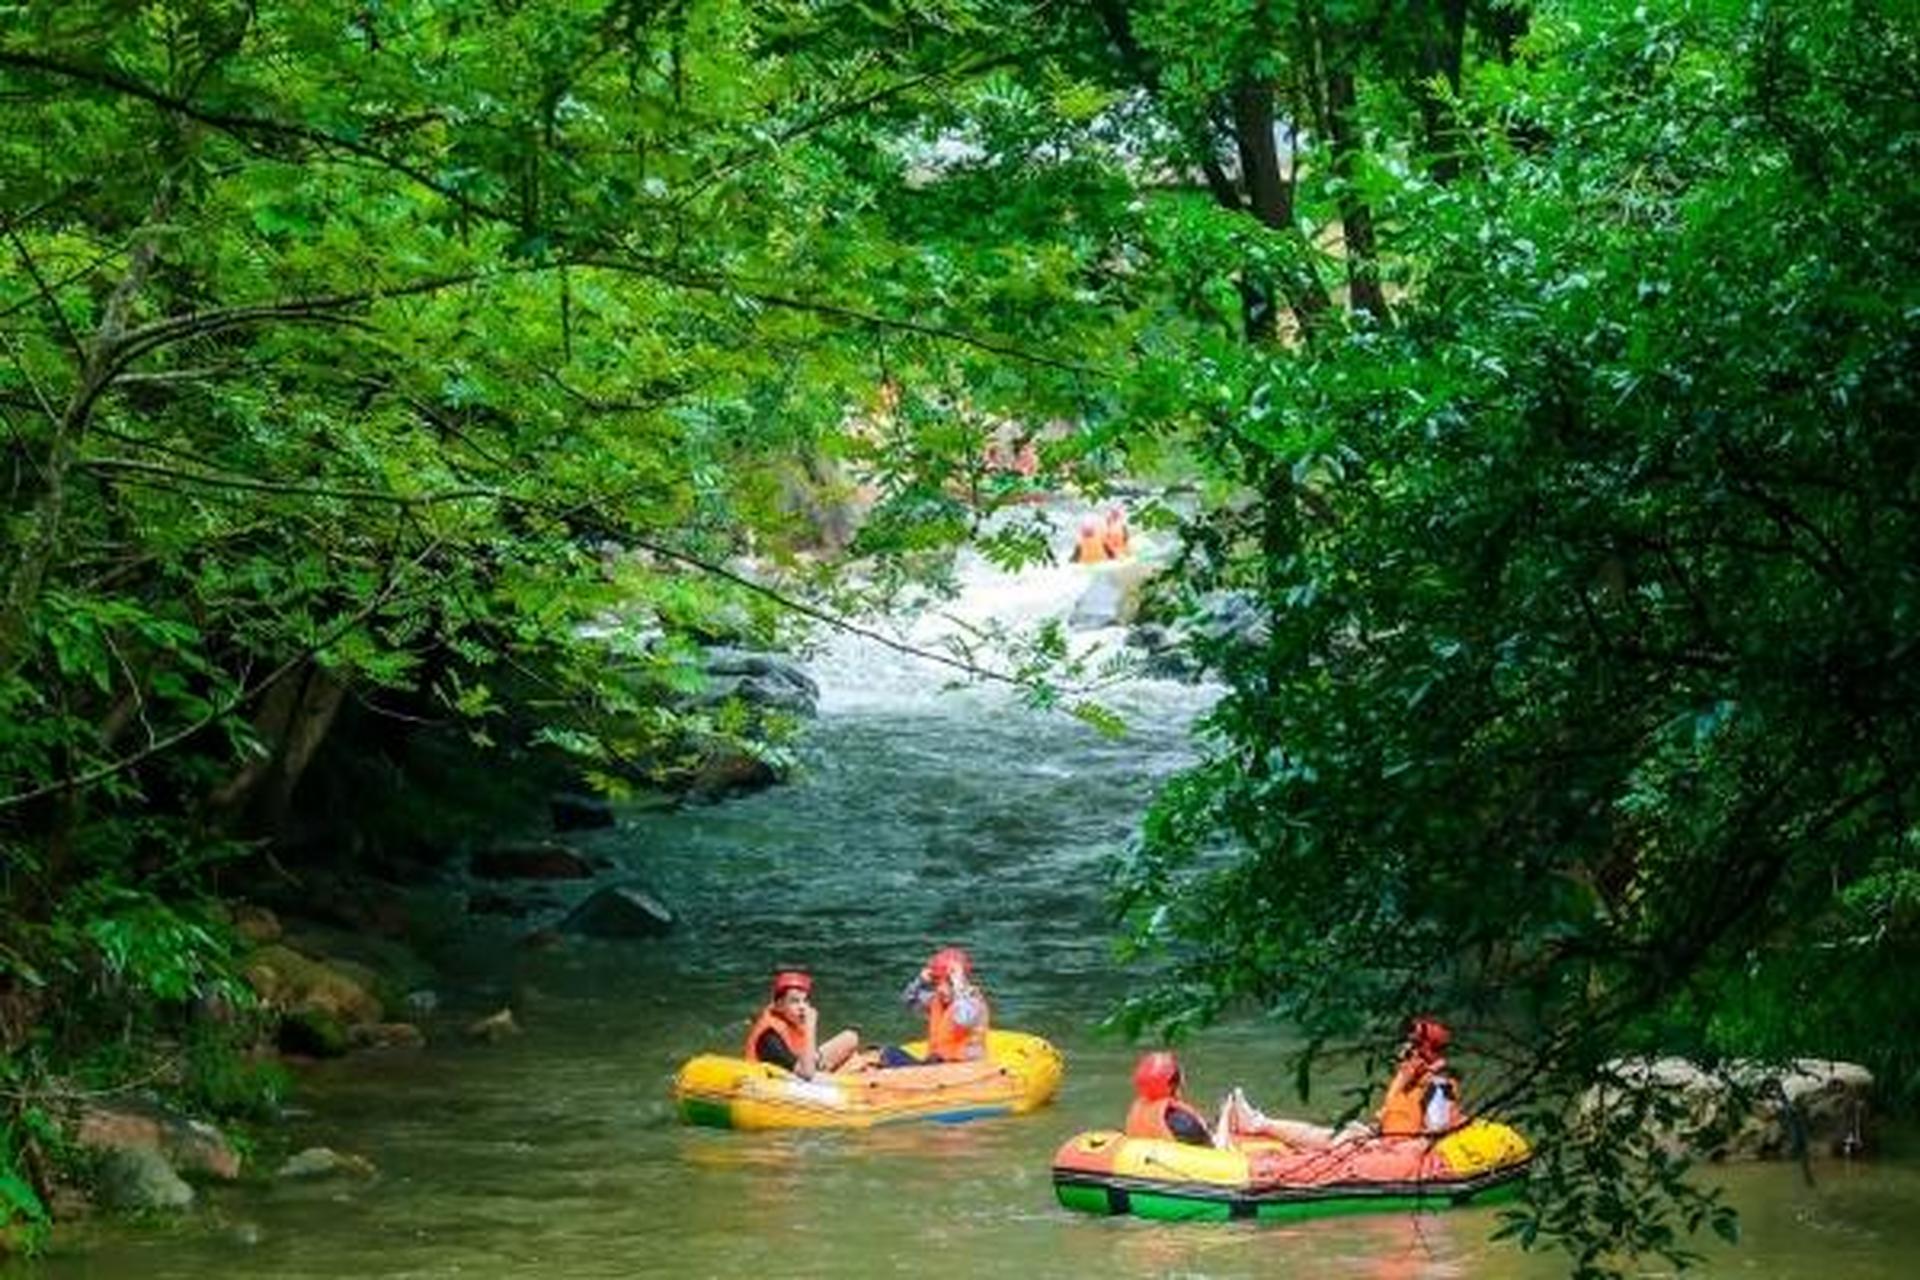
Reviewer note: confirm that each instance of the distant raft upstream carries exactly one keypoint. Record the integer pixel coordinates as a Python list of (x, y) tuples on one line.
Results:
[(1109, 1173), (1020, 1072)]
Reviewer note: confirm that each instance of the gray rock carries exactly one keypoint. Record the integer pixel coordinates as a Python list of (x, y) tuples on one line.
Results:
[(1231, 617), (187, 1145), (139, 1178), (536, 860), (386, 1035), (619, 911), (1112, 596), (1739, 1110), (575, 812), (325, 1162), (1153, 637), (494, 1028), (763, 680)]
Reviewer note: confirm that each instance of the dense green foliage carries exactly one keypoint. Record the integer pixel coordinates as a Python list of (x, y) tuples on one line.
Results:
[(1589, 710), (358, 361), (1543, 372)]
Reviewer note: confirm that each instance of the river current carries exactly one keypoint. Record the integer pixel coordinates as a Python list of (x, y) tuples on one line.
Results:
[(921, 817)]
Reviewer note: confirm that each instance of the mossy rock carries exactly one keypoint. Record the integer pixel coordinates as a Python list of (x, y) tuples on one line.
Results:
[(293, 984), (313, 1034)]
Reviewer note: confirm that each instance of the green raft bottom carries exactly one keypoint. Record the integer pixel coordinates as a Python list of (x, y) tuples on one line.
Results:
[(1172, 1207), (715, 1115)]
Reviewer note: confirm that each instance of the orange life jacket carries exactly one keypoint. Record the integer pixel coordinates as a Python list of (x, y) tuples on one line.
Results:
[(1404, 1113), (1147, 1118), (947, 1040), (1091, 549), (795, 1038)]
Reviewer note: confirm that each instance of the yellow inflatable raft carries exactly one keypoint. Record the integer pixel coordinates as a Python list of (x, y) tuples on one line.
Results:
[(1110, 1173), (1020, 1072)]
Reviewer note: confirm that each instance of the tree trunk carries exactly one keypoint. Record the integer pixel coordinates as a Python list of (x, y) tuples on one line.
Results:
[(41, 547), (1270, 200), (293, 721), (1356, 217), (1442, 47)]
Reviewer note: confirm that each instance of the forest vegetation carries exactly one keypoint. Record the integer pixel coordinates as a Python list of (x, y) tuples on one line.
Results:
[(1545, 371)]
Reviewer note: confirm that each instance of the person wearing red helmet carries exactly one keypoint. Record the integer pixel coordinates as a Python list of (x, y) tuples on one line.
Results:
[(786, 1032), (1423, 1096), (1158, 1110), (958, 1015)]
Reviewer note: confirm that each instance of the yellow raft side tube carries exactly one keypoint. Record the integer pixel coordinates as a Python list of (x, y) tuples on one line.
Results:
[(1020, 1072)]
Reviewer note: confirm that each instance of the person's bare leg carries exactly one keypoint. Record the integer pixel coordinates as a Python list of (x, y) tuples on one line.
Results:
[(1299, 1133), (835, 1052), (1223, 1127), (1244, 1120)]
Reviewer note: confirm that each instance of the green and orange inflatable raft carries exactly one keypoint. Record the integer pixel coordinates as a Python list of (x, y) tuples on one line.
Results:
[(1109, 1173), (1020, 1072)]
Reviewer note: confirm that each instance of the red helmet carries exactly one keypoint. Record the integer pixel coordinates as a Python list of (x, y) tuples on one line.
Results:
[(791, 980), (949, 962), (1429, 1034), (1157, 1075)]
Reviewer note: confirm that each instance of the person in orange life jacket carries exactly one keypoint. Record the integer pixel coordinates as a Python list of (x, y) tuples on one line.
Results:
[(786, 1032), (1159, 1112), (958, 1015), (1423, 1096), (1115, 536), (1091, 546)]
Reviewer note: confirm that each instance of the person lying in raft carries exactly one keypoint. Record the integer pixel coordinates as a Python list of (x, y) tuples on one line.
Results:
[(1158, 1111), (958, 1014), (786, 1032)]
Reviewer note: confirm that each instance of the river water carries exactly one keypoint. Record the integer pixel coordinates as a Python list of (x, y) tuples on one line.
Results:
[(921, 818)]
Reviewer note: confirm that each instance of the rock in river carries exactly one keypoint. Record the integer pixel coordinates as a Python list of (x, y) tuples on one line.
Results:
[(620, 911)]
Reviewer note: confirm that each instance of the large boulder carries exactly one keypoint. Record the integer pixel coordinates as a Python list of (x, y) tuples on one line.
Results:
[(140, 1179), (1230, 618), (1220, 621), (191, 1146), (619, 911), (763, 680), (572, 811), (256, 924), (538, 860), (1739, 1110), (1112, 596), (722, 769), (296, 984), (389, 967)]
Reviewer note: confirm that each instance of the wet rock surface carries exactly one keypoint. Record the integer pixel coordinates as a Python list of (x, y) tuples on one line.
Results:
[(140, 1179), (536, 860), (619, 911), (1740, 1110)]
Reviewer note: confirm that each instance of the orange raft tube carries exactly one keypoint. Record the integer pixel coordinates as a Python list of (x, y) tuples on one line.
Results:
[(1110, 1173), (1020, 1072)]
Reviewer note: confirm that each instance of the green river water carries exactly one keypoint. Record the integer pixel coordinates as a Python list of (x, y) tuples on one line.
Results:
[(921, 818)]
